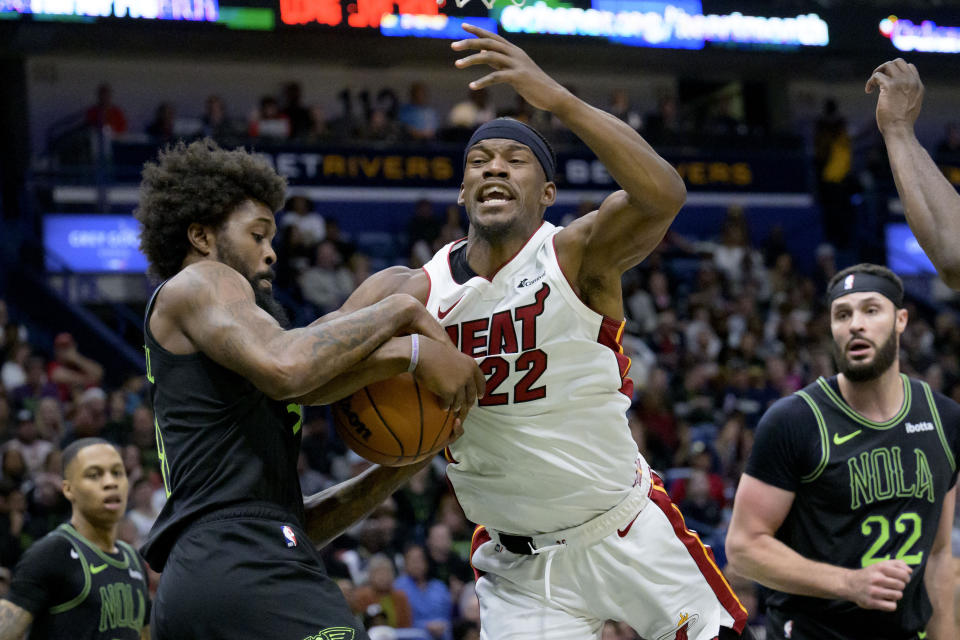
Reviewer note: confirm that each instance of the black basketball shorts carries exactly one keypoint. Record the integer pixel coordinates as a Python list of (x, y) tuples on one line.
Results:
[(235, 576)]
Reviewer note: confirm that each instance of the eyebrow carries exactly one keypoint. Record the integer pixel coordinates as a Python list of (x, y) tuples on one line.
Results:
[(871, 299), (516, 146)]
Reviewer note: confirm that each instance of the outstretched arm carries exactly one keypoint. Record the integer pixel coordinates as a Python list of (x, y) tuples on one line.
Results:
[(14, 621), (631, 222), (931, 204), (754, 552)]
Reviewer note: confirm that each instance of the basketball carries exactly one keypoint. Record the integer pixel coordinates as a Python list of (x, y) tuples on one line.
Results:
[(394, 422)]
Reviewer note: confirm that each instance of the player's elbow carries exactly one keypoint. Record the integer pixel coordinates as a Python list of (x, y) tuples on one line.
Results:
[(280, 380), (737, 546)]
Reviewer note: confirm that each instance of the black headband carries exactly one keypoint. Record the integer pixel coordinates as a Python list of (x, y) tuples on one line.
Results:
[(511, 129), (860, 282)]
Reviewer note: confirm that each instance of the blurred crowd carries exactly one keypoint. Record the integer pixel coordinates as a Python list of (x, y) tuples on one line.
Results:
[(409, 116)]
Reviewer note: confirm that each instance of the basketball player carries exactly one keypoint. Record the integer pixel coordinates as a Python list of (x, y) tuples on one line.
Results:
[(930, 202), (226, 385), (79, 582), (575, 530), (846, 505)]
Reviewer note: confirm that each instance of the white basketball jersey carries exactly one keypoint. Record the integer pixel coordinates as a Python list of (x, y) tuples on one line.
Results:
[(548, 447)]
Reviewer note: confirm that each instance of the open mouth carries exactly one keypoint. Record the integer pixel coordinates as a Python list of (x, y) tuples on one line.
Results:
[(494, 194), (113, 502), (858, 347)]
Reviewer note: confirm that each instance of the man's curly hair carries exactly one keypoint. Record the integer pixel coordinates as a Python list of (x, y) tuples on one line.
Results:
[(201, 183)]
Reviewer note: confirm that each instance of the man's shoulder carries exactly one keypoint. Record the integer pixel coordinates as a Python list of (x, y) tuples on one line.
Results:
[(787, 410), (203, 279), (55, 546)]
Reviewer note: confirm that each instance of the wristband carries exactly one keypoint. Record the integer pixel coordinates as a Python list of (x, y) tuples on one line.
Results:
[(414, 352)]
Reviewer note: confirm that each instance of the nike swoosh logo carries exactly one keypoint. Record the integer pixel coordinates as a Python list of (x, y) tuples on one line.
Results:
[(97, 569), (838, 440), (441, 314), (623, 532)]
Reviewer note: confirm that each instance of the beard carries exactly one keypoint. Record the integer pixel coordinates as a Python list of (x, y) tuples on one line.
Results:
[(883, 358), (263, 297)]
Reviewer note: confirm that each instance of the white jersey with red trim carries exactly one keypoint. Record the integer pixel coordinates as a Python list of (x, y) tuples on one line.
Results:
[(548, 447)]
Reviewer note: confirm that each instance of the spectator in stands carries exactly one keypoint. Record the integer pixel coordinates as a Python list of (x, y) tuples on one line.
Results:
[(340, 239), (106, 115), (949, 146), (472, 112), (28, 442), (143, 437), (417, 503), (6, 419), (380, 590), (11, 333), (328, 282), (381, 126), (701, 510), (417, 116), (14, 467), (423, 229), (734, 256), (450, 513), (299, 212), (14, 373), (452, 228), (12, 516), (161, 129), (216, 123), (89, 419), (71, 371), (293, 110), (268, 122), (443, 564), (663, 125), (141, 512), (725, 116), (38, 386), (429, 598), (833, 164), (621, 107), (318, 131), (659, 423)]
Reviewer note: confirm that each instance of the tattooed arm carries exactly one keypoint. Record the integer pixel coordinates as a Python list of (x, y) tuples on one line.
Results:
[(453, 376), (14, 621), (210, 307)]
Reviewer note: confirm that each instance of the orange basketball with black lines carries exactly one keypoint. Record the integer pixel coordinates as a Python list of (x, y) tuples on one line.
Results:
[(394, 422)]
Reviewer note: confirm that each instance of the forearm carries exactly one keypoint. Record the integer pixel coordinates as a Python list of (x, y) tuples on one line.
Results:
[(634, 165), (311, 357), (930, 202), (389, 359), (330, 512), (939, 581), (14, 621), (773, 564)]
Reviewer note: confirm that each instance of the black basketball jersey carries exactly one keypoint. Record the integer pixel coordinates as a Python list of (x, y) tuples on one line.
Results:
[(76, 591), (221, 443), (865, 492)]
